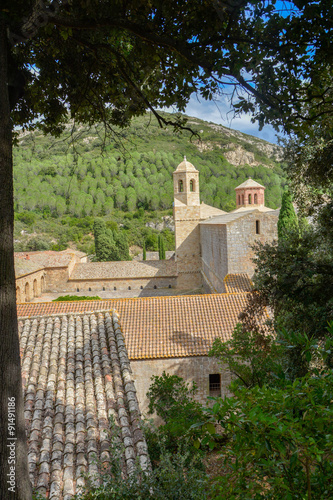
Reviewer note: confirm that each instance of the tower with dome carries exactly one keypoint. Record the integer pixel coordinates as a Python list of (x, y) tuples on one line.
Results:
[(210, 243)]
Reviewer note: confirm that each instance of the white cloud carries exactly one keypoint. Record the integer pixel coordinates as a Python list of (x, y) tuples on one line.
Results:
[(220, 112)]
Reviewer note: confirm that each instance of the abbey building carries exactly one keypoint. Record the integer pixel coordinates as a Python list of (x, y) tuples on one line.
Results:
[(210, 243)]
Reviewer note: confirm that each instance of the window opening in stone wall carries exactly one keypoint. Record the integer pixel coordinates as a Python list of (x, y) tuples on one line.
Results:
[(239, 199), (242, 199), (255, 199), (169, 286), (250, 201), (115, 288), (215, 384), (192, 185), (181, 186), (129, 287), (257, 226), (89, 289), (78, 289), (103, 288), (155, 287), (27, 292)]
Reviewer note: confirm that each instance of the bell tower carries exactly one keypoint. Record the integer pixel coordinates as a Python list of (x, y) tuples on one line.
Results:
[(186, 213)]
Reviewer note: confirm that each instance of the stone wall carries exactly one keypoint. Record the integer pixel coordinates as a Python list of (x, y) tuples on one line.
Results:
[(120, 284), (30, 286), (197, 369), (188, 253), (56, 279), (214, 245), (226, 248), (242, 235)]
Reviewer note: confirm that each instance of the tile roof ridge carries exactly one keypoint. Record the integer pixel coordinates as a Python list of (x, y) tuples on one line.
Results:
[(68, 313)]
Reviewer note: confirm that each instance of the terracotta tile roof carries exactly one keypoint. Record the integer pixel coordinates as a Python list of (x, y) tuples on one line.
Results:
[(47, 258), (162, 327), (124, 270), (76, 376), (24, 267), (249, 183), (207, 211), (237, 283)]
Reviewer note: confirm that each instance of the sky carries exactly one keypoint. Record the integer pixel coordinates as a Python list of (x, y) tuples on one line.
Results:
[(220, 112)]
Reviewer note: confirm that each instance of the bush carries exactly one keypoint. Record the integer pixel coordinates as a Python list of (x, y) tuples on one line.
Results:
[(280, 441), (175, 478), (72, 298)]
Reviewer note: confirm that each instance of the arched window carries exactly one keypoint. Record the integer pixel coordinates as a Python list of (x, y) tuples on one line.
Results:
[(242, 199), (192, 185), (239, 199), (250, 200), (181, 186), (255, 199), (18, 294), (257, 226), (27, 292), (35, 292), (42, 284)]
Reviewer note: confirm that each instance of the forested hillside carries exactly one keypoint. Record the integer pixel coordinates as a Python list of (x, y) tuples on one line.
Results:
[(84, 175)]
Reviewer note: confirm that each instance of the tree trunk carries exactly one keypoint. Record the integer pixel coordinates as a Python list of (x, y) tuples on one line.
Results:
[(14, 475)]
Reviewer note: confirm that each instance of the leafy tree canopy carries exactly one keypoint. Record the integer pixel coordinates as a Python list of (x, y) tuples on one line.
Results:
[(110, 61)]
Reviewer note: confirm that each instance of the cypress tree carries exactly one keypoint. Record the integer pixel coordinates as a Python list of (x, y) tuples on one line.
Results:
[(159, 247), (122, 245), (288, 220), (144, 253), (99, 235), (162, 249)]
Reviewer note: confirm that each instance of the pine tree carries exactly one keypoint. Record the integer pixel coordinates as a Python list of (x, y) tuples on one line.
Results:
[(288, 220)]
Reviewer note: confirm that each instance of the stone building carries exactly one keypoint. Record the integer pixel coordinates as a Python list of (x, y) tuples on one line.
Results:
[(210, 243)]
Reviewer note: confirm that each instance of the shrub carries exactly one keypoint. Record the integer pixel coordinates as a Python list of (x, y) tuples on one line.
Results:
[(71, 298)]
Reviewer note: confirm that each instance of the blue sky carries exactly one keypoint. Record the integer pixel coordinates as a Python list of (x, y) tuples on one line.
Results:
[(220, 112)]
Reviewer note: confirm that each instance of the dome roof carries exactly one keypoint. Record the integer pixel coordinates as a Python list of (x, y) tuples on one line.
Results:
[(186, 166), (250, 183)]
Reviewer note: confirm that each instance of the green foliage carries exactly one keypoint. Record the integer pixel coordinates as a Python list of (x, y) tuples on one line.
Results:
[(88, 184), (253, 357), (110, 245), (176, 477), (71, 298), (121, 246), (161, 248), (288, 221), (144, 253), (279, 441), (294, 276), (173, 400)]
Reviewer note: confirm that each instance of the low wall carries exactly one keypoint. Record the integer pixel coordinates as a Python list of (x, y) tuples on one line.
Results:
[(120, 284)]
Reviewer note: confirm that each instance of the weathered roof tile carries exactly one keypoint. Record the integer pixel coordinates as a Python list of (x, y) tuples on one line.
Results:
[(68, 398)]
